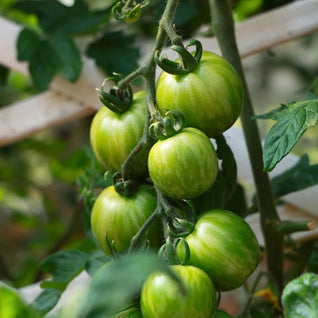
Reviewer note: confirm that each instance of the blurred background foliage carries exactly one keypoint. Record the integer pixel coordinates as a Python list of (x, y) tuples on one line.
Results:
[(41, 177)]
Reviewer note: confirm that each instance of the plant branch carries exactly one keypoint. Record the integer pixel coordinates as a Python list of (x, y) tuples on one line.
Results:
[(289, 227), (224, 29), (137, 238), (148, 70)]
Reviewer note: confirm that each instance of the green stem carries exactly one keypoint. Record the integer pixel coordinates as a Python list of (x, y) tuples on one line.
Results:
[(289, 227), (144, 144), (224, 29), (137, 238), (148, 70)]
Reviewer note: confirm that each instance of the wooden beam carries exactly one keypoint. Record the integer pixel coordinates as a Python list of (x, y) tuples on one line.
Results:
[(270, 29), (38, 113)]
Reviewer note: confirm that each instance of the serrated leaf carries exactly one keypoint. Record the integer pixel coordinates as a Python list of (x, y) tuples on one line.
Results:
[(274, 114), (301, 176), (114, 53), (64, 56), (118, 282), (47, 300), (290, 126), (300, 297), (63, 266), (55, 17), (27, 44)]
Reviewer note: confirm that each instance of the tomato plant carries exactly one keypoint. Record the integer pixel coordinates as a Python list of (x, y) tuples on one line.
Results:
[(113, 135), (162, 296), (116, 219), (224, 246), (184, 175), (187, 158), (210, 97)]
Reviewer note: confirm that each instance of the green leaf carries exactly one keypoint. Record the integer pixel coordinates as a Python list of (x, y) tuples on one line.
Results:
[(292, 121), (95, 262), (55, 17), (118, 282), (47, 300), (114, 53), (300, 297), (27, 44), (274, 114), (63, 266), (40, 69), (12, 306), (64, 56), (245, 8), (301, 176)]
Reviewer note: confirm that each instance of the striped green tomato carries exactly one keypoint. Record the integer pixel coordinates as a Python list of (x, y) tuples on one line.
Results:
[(210, 97), (114, 135), (118, 218), (224, 246), (162, 297), (184, 165)]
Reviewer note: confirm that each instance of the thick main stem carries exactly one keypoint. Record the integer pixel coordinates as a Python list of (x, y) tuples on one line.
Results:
[(149, 72), (223, 25)]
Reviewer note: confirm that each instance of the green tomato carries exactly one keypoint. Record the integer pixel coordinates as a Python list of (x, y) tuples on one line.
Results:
[(224, 246), (184, 165), (162, 297), (114, 135), (118, 218), (210, 97)]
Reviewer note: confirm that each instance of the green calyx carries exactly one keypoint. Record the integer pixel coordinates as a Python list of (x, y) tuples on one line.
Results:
[(126, 188), (117, 100), (188, 61), (173, 122)]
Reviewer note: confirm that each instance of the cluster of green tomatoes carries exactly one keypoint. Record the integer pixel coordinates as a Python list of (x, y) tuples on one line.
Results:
[(220, 252)]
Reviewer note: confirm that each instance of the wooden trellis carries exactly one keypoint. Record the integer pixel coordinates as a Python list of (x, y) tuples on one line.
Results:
[(65, 101)]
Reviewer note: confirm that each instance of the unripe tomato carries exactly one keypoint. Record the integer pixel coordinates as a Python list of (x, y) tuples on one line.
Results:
[(224, 246), (161, 296), (184, 165), (114, 135), (210, 97), (118, 218)]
